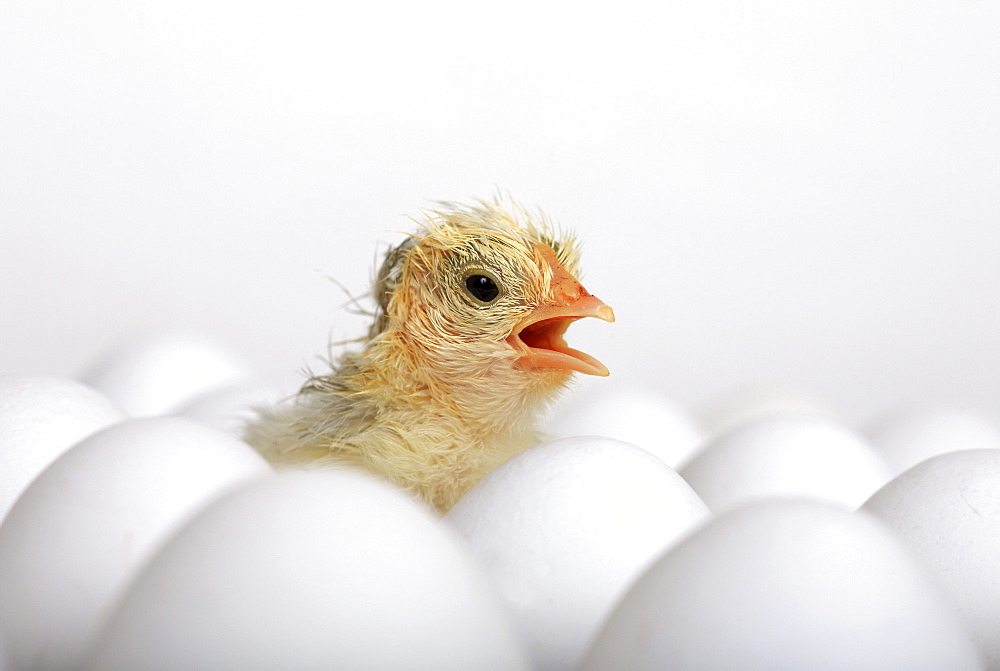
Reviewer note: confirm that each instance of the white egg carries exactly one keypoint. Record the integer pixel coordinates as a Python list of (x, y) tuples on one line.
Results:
[(230, 408), (84, 526), (40, 418), (564, 527), (789, 585), (947, 510), (786, 456), (640, 417), (743, 405), (311, 570), (156, 375), (907, 437)]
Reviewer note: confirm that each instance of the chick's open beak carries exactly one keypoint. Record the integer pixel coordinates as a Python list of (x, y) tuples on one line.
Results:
[(539, 337)]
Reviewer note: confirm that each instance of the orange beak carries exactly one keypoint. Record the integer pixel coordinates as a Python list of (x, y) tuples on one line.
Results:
[(539, 337)]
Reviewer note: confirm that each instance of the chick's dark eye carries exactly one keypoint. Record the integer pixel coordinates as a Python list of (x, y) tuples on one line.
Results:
[(482, 288)]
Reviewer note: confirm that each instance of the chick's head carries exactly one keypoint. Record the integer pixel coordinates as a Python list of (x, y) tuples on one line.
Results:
[(486, 293)]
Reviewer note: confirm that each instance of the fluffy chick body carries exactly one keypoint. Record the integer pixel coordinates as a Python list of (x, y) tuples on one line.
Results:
[(445, 389)]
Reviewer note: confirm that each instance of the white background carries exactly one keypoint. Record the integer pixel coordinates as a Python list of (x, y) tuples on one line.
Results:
[(800, 192)]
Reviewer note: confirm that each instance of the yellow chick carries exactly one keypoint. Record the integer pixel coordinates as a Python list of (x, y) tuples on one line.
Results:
[(465, 352)]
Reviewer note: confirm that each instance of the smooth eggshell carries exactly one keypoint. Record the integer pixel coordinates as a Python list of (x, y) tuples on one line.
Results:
[(786, 456), (785, 585), (641, 417), (311, 570), (907, 437), (158, 374), (742, 405), (565, 526), (947, 511), (230, 408), (40, 418), (84, 526)]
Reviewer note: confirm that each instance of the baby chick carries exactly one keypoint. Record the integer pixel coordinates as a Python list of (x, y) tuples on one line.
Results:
[(465, 352)]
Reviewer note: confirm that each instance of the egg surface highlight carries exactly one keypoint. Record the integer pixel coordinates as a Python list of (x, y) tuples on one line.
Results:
[(640, 417), (565, 526), (91, 519), (40, 418), (785, 585), (157, 374), (789, 456), (311, 570), (947, 511)]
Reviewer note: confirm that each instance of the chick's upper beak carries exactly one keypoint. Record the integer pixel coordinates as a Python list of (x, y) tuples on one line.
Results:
[(539, 337)]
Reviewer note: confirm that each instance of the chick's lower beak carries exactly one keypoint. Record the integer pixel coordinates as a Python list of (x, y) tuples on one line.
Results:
[(539, 337)]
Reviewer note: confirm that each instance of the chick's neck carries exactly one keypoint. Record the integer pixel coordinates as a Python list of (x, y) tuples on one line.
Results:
[(481, 393)]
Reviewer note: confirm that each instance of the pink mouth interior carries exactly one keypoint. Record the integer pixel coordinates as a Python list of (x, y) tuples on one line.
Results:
[(546, 347), (547, 334)]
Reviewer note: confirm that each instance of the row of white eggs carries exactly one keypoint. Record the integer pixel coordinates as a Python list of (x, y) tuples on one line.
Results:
[(167, 542)]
